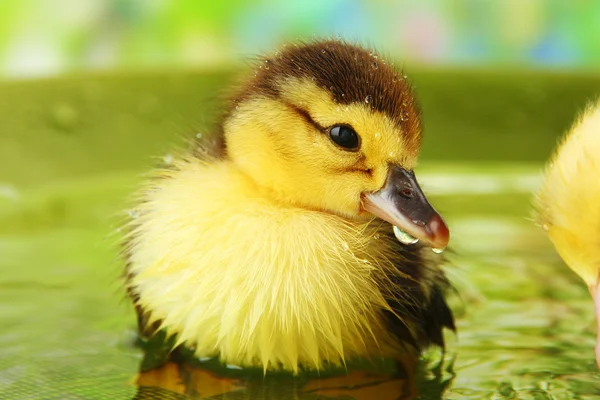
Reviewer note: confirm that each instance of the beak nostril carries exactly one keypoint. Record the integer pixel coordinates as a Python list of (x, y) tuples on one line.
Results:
[(406, 193)]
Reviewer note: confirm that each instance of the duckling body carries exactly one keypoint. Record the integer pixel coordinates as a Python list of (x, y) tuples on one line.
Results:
[(263, 253), (567, 204)]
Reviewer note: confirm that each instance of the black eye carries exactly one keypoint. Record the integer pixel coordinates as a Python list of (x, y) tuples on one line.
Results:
[(344, 136)]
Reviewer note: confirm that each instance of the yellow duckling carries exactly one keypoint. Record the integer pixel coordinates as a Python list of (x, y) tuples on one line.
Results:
[(266, 251), (567, 204)]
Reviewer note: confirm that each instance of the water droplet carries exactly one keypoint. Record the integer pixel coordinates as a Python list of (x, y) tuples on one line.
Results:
[(404, 237), (199, 135), (343, 94), (315, 144), (168, 159), (376, 236), (347, 108), (391, 154), (134, 213), (437, 251), (204, 359), (323, 51), (377, 135), (64, 116), (9, 192), (312, 78), (368, 99), (545, 227), (233, 366)]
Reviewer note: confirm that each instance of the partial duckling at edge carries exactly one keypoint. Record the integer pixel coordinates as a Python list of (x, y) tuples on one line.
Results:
[(275, 249), (567, 205)]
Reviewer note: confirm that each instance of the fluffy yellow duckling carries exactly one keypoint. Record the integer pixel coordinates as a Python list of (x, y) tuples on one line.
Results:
[(567, 204), (276, 248)]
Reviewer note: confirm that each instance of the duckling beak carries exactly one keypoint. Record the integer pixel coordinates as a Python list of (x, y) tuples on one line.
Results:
[(401, 202)]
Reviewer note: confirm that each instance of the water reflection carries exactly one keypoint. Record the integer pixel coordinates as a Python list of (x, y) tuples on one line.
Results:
[(182, 377)]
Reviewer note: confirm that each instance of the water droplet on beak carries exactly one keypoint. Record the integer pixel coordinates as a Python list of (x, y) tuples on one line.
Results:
[(404, 237), (437, 251)]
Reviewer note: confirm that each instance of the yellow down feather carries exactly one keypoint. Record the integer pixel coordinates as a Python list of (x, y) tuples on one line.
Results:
[(234, 274), (568, 204)]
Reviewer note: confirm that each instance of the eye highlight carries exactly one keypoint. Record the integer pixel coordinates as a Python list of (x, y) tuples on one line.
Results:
[(345, 137)]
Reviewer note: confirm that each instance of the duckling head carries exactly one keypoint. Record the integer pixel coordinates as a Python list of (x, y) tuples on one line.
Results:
[(332, 127)]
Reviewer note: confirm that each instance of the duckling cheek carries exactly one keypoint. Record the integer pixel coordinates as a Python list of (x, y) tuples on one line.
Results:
[(340, 197), (378, 179)]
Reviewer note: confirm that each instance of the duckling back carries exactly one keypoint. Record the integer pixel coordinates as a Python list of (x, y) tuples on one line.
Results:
[(567, 204)]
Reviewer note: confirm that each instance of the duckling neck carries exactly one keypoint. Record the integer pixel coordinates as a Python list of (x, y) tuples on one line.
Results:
[(234, 273)]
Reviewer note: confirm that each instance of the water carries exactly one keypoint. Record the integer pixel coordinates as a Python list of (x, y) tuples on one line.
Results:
[(404, 237), (525, 322), (72, 151)]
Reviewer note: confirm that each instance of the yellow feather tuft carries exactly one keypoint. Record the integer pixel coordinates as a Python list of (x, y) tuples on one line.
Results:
[(233, 273), (567, 204)]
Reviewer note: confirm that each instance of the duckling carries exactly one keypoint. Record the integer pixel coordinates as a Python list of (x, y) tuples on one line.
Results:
[(567, 203), (275, 249)]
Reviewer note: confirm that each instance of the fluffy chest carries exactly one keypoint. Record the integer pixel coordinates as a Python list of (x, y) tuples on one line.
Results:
[(237, 276)]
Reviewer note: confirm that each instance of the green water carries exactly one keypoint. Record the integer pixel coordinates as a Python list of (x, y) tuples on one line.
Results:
[(71, 151)]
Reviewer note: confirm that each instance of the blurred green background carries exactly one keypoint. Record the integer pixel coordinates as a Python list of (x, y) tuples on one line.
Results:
[(94, 93), (47, 37)]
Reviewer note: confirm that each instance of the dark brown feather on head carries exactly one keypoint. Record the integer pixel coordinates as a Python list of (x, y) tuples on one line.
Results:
[(350, 73)]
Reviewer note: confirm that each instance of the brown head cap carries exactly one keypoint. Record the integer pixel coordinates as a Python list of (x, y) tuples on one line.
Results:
[(350, 73)]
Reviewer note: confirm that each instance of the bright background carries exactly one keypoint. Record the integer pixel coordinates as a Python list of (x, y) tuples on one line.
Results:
[(40, 37), (127, 83)]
